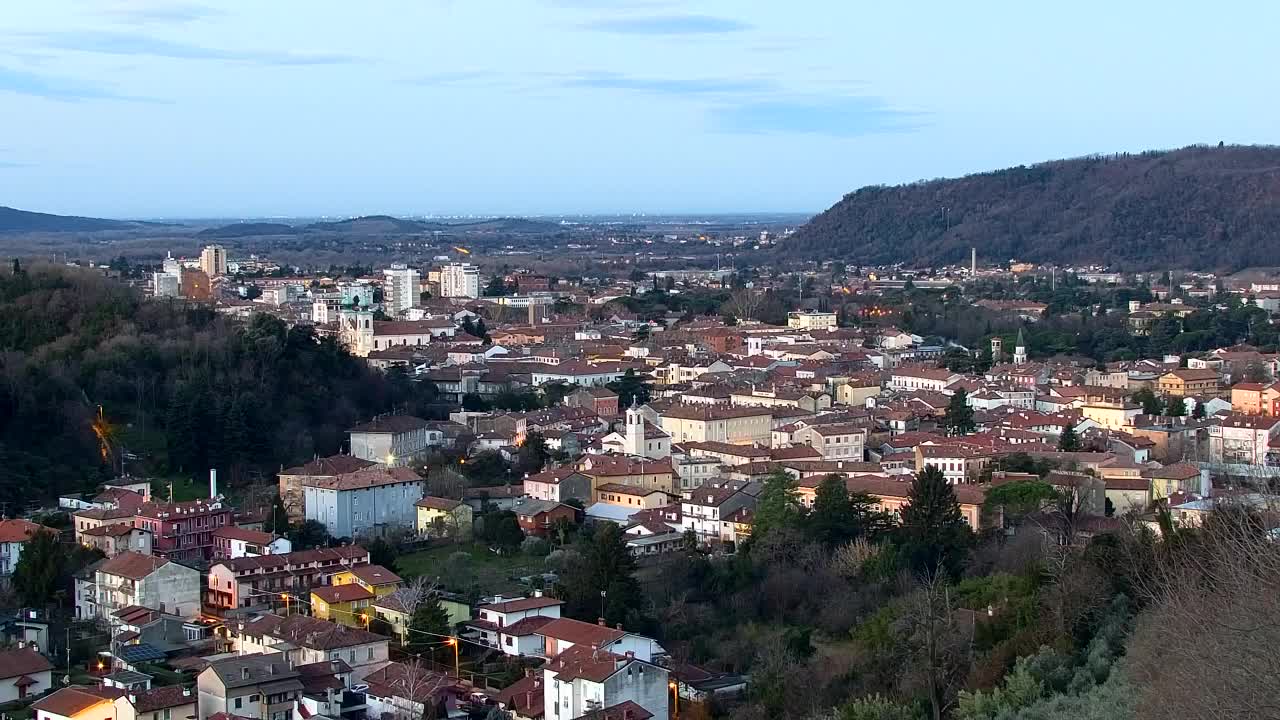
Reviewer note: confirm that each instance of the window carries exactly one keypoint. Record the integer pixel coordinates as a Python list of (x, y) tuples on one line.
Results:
[(253, 698), (369, 654), (238, 702)]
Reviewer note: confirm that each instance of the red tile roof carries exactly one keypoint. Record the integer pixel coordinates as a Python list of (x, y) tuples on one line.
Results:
[(375, 575), (581, 633), (341, 593), (132, 565), (19, 530), (330, 466), (23, 661), (522, 604)]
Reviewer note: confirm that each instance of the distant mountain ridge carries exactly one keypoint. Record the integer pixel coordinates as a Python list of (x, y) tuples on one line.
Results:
[(14, 220), (1197, 207)]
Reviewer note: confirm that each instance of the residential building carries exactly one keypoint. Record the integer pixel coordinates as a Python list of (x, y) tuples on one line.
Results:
[(131, 578), (328, 468), (24, 673), (1116, 415), (811, 320), (411, 691), (631, 497), (959, 463), (400, 288), (703, 423), (75, 703), (230, 543), (364, 503), (460, 280), (587, 682), (922, 378), (263, 687), (342, 604), (393, 440), (183, 530), (1242, 439), (558, 485), (637, 472), (511, 625), (213, 261), (600, 400), (1186, 382), (1256, 398), (169, 702), (255, 580), (834, 442), (195, 285), (537, 517), (305, 640), (165, 284), (116, 538), (894, 495), (705, 509), (362, 335), (396, 609), (444, 518), (13, 533), (564, 633), (1170, 480)]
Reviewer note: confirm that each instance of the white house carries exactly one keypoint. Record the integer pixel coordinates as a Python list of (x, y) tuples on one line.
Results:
[(615, 686), (132, 578), (835, 442), (365, 502), (512, 625), (393, 440), (13, 533), (304, 640), (922, 378), (703, 509), (24, 673), (1242, 439), (232, 542)]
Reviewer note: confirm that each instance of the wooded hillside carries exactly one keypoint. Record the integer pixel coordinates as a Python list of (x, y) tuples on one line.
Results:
[(1198, 207), (181, 387)]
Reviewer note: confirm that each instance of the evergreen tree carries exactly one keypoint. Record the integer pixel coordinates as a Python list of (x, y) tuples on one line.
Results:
[(934, 535), (532, 455), (278, 521), (831, 521), (607, 566), (959, 417), (1176, 407), (1199, 412), (778, 505), (382, 553), (1150, 402), (428, 624), (1069, 441), (40, 570)]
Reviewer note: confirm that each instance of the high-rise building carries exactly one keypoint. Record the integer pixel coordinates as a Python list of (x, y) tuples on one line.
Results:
[(213, 260), (165, 284), (400, 288), (460, 280)]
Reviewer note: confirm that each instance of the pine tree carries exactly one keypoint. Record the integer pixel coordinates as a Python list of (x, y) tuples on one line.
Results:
[(428, 624), (1069, 441), (607, 566), (934, 535), (959, 417), (37, 576), (778, 505), (831, 521)]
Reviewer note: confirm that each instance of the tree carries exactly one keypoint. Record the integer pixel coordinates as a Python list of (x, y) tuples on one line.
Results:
[(959, 416), (41, 569), (1176, 407), (309, 535), (1069, 441), (933, 534), (1150, 402), (1199, 412), (631, 389), (777, 507), (496, 287), (471, 402), (382, 553), (501, 530), (831, 521), (532, 455), (607, 567), (1019, 498), (278, 520)]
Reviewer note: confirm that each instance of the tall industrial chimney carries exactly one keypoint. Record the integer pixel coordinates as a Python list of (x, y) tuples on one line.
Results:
[(973, 262), (213, 483)]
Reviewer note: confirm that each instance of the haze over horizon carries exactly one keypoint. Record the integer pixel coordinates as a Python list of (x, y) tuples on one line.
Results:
[(171, 109)]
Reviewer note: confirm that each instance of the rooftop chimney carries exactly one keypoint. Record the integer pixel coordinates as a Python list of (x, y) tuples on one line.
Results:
[(213, 483), (619, 626), (244, 673), (133, 699), (601, 622)]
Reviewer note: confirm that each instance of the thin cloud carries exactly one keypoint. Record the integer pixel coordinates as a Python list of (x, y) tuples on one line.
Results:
[(23, 82), (668, 86), (669, 25), (141, 12), (457, 77), (834, 117), (130, 44)]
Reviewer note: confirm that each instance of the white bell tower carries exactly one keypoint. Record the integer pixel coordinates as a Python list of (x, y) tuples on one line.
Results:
[(633, 439)]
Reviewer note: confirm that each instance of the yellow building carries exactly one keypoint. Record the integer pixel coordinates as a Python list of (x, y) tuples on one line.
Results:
[(1189, 381), (718, 423), (347, 600), (396, 610), (442, 517)]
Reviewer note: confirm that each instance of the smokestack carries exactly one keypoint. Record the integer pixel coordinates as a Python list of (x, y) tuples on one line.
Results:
[(213, 483), (533, 314), (973, 262)]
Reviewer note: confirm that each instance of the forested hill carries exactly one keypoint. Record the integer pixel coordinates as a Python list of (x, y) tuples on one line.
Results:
[(13, 220), (1198, 207), (183, 388)]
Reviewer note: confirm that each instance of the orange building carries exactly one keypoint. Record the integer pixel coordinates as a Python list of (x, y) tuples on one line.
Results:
[(195, 285), (1256, 398)]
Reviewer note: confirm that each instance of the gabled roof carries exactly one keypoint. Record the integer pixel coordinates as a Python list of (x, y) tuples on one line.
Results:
[(330, 466), (350, 592), (375, 575), (132, 565), (391, 424), (69, 701), (432, 502), (581, 633), (18, 530), (521, 604), (22, 661)]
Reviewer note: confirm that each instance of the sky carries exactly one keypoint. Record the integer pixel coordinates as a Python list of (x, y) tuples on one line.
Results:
[(257, 108)]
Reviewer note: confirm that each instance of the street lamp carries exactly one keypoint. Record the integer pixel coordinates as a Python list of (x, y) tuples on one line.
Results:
[(285, 597), (454, 642), (675, 697)]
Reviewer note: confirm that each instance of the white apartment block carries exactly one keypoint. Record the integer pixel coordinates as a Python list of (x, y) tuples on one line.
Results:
[(460, 280)]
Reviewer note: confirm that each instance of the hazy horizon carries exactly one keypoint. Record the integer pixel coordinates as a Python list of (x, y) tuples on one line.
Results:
[(152, 109)]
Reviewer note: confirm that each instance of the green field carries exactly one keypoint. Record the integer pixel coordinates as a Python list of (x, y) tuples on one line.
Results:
[(483, 572)]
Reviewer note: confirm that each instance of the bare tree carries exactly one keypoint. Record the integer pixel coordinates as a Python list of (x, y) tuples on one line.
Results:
[(1207, 647), (942, 640), (744, 303), (416, 689), (418, 591)]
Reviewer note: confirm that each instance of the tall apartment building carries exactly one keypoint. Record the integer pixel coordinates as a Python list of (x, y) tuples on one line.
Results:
[(400, 288), (460, 280), (213, 260)]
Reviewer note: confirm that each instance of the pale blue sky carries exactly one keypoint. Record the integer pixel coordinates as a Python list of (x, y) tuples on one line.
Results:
[(301, 107)]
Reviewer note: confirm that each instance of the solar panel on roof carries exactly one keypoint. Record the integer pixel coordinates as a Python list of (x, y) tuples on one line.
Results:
[(141, 652)]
